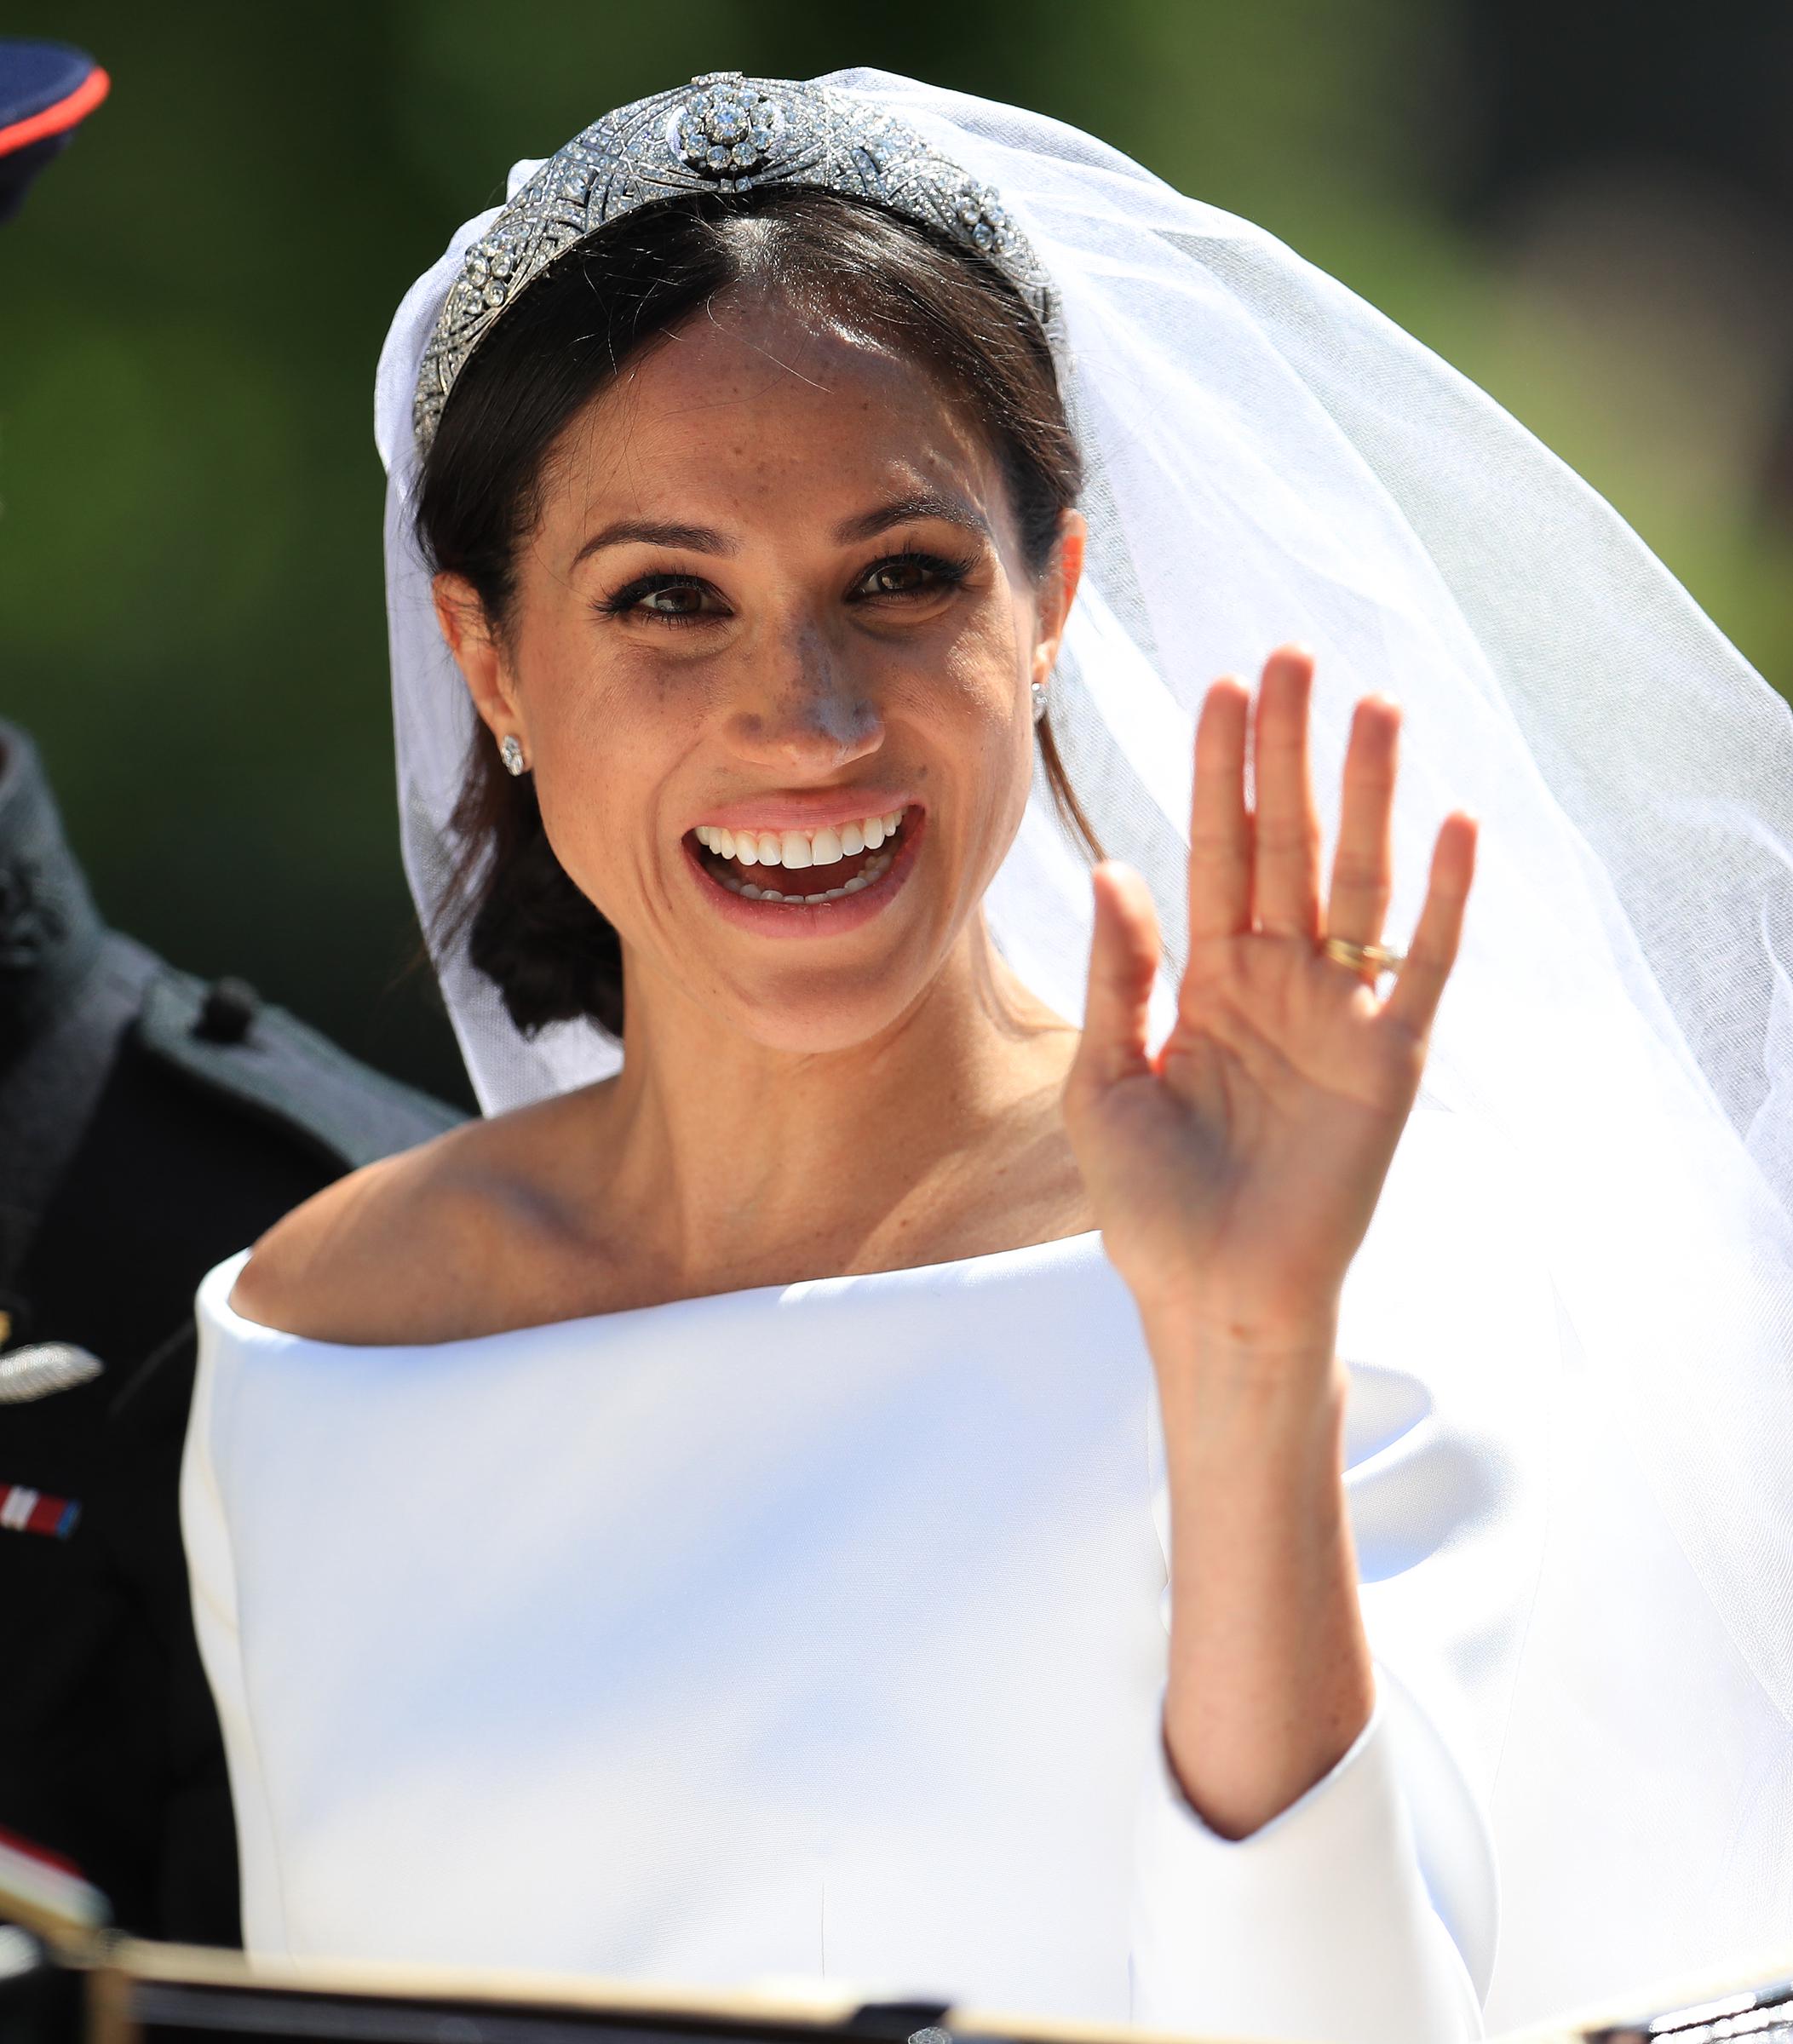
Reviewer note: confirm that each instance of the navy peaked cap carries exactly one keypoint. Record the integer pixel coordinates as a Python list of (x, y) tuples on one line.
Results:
[(46, 90)]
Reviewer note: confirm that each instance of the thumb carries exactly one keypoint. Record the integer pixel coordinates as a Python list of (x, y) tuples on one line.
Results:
[(1123, 956)]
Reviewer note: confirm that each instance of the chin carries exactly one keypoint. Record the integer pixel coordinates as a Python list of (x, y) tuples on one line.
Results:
[(804, 1019)]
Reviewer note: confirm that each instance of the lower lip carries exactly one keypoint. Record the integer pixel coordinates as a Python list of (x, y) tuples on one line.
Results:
[(821, 918)]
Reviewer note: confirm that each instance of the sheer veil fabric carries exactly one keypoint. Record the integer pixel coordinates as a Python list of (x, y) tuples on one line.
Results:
[(1270, 458)]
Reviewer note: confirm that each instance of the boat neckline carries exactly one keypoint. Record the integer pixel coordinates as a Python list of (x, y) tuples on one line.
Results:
[(215, 1290)]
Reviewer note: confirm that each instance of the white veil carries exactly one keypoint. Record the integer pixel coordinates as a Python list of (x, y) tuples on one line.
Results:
[(1270, 458)]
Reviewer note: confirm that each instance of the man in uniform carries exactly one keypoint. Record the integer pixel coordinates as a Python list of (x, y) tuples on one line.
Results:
[(150, 1126)]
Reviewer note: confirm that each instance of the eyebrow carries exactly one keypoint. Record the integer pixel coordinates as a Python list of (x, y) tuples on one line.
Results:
[(705, 539), (907, 510), (657, 533)]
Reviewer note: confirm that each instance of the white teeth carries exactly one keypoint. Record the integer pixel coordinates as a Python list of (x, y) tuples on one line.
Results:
[(826, 847), (874, 870), (749, 892)]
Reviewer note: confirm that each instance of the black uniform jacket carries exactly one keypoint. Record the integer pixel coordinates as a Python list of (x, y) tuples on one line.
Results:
[(150, 1126)]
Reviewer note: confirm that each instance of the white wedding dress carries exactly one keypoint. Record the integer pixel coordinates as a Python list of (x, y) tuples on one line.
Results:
[(821, 1629)]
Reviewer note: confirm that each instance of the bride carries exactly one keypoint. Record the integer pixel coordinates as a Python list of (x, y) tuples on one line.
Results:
[(936, 1432)]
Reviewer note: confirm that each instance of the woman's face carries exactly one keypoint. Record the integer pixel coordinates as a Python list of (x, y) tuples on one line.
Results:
[(776, 604)]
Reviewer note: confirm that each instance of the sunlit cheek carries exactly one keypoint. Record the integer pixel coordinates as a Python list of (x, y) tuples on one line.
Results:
[(965, 673), (609, 734), (630, 877), (591, 793), (1011, 644), (571, 809), (979, 765), (989, 667)]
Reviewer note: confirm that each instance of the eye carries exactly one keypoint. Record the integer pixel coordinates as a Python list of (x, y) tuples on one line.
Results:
[(666, 599), (909, 574)]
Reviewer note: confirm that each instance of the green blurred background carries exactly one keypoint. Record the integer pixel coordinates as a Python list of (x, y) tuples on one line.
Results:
[(1588, 210)]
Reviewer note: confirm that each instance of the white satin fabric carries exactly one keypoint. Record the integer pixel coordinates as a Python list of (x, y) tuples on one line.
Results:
[(1269, 457), (821, 1630)]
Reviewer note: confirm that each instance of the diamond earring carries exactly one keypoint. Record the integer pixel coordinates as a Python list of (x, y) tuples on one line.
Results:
[(1039, 701), (511, 753)]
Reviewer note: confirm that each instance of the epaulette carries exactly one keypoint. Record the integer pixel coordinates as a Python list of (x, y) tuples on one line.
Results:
[(226, 1038)]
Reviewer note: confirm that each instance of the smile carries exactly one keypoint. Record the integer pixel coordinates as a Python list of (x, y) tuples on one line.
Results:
[(806, 881)]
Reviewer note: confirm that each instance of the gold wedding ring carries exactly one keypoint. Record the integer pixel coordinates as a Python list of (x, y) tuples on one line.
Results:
[(1358, 955)]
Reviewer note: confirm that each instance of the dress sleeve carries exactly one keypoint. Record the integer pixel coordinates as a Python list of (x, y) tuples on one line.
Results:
[(212, 1578), (1320, 1923), (1365, 1912)]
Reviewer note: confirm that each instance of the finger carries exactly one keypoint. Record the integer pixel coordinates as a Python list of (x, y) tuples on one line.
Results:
[(1123, 957), (1420, 983), (1363, 863), (1285, 895), (1219, 829)]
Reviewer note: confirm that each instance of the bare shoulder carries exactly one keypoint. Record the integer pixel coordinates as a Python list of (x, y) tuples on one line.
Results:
[(409, 1249)]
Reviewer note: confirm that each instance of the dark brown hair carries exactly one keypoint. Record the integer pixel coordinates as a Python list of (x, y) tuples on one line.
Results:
[(527, 927)]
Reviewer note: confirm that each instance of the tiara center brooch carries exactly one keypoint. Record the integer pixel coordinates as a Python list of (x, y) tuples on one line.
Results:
[(727, 129), (724, 132)]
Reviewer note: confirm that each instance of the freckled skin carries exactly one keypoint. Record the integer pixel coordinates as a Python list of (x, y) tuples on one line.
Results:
[(892, 1095), (772, 433), (877, 1097)]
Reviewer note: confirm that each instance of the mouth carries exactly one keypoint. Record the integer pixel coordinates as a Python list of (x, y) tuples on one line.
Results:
[(839, 890)]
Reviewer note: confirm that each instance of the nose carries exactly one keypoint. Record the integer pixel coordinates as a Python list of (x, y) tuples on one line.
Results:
[(804, 712)]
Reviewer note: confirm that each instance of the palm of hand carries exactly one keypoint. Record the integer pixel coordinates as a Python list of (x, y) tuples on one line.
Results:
[(1234, 1176)]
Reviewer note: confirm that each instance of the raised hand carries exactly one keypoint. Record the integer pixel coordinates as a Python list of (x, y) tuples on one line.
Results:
[(1234, 1177)]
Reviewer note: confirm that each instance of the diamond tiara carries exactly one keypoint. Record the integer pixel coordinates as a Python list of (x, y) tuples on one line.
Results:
[(724, 132)]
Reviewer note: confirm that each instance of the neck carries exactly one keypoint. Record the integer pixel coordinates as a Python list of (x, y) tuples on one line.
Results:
[(730, 1156)]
